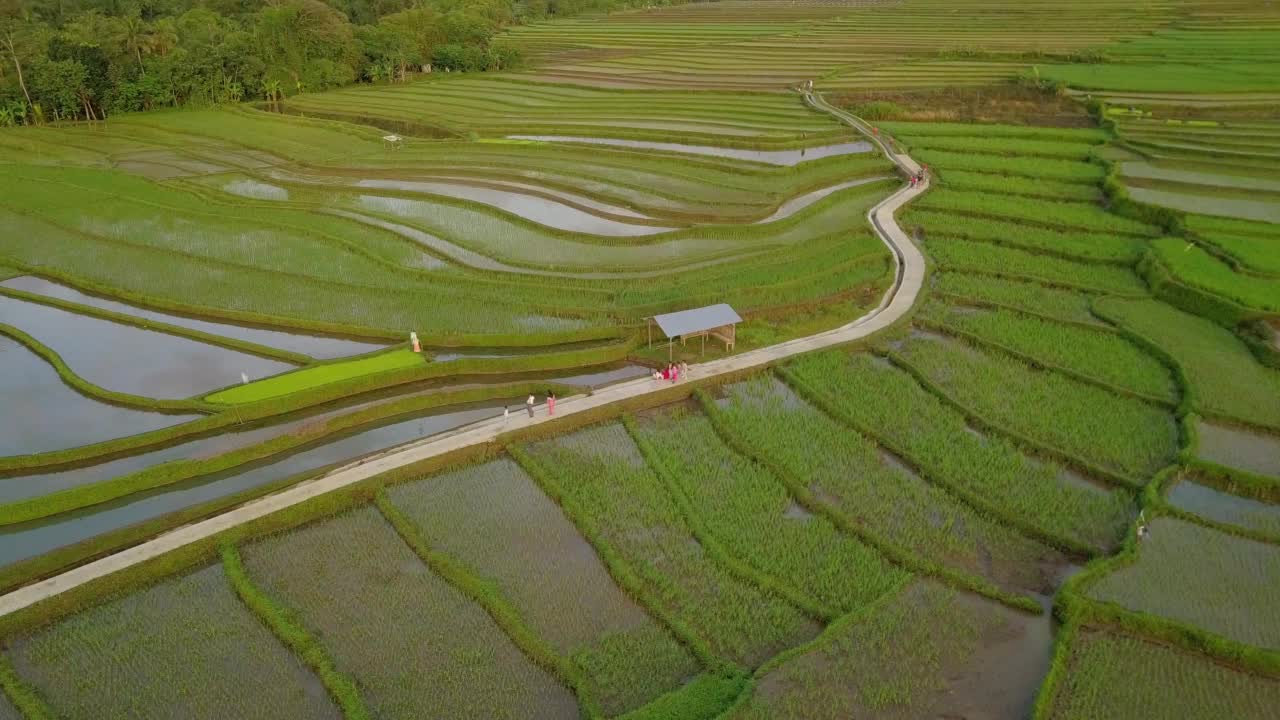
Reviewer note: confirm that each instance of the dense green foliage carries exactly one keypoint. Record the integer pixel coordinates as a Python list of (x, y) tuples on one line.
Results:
[(91, 58)]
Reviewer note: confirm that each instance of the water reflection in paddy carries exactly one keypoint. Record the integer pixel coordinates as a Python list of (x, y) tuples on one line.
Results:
[(315, 346), (1225, 507), (20, 542), (530, 207), (772, 157), (40, 413), (132, 360), (1239, 448)]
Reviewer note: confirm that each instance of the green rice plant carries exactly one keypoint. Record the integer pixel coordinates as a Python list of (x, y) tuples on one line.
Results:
[(978, 142), (17, 700), (1254, 253), (1007, 185), (1190, 574), (1103, 356), (872, 488), (1027, 297), (1233, 226), (749, 510), (1092, 246), (1090, 136), (1111, 674), (1193, 266), (1168, 77), (603, 483), (412, 643), (311, 377), (340, 686), (1118, 433), (1223, 376), (494, 519), (964, 256), (1070, 215), (887, 405), (186, 646), (901, 658), (1035, 168)]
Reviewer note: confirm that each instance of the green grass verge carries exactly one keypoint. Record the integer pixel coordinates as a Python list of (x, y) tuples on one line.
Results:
[(307, 647), (316, 376)]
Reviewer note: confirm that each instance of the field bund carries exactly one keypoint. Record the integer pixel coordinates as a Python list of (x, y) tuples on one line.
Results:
[(898, 301)]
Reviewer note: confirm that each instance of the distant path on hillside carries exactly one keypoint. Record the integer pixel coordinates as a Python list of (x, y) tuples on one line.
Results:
[(909, 278)]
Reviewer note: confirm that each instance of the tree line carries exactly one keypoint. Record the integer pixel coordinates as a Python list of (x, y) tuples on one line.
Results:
[(86, 59)]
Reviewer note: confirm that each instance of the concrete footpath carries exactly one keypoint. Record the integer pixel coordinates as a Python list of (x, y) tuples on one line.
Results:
[(909, 277)]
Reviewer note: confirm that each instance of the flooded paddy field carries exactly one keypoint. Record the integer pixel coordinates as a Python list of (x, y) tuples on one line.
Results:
[(41, 413), (20, 542), (127, 359), (319, 347), (890, 530)]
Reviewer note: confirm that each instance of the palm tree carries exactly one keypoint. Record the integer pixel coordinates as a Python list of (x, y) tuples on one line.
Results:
[(271, 88), (134, 35)]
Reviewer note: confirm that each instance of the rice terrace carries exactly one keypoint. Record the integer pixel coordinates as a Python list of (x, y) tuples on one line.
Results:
[(640, 359)]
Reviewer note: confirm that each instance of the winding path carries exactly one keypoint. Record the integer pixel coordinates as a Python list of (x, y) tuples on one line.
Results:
[(909, 277)]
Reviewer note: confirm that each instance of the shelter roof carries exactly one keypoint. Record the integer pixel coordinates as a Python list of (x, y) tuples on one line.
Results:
[(696, 320)]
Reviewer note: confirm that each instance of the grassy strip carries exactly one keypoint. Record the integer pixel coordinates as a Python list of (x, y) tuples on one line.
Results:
[(179, 470), (230, 343), (24, 697), (88, 389), (468, 367), (295, 636), (891, 551), (708, 696), (1047, 696), (1235, 481), (714, 547), (1064, 543), (1062, 456), (315, 376), (1194, 300), (618, 568), (487, 595)]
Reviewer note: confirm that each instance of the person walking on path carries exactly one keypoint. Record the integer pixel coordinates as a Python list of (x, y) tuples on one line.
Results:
[(529, 404), (551, 403), (684, 369), (506, 413)]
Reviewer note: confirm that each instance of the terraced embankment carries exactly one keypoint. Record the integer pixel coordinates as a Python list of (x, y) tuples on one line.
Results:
[(897, 302)]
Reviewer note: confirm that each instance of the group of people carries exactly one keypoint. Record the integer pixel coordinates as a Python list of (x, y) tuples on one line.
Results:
[(671, 372), (918, 178), (529, 404)]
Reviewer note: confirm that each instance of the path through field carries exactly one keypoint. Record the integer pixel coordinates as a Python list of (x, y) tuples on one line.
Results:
[(898, 300)]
